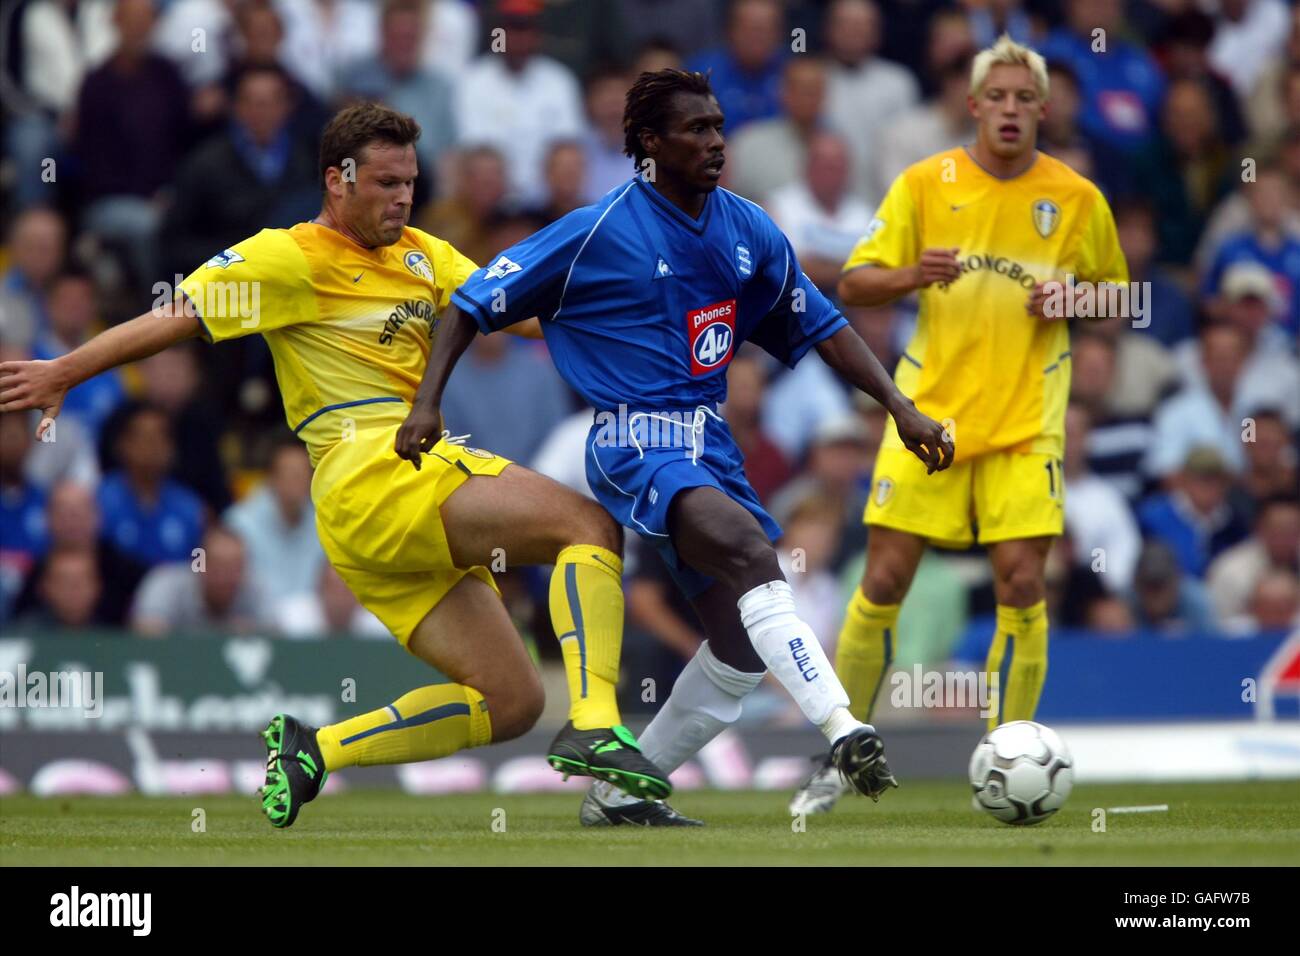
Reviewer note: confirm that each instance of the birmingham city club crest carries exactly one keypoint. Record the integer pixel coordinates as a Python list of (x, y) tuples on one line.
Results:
[(1047, 215)]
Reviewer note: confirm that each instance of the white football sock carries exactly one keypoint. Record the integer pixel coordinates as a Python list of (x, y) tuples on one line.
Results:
[(792, 652), (704, 701)]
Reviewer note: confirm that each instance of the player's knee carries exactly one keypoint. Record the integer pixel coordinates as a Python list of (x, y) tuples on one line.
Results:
[(516, 710), (594, 525), (884, 583), (1021, 586), (748, 561)]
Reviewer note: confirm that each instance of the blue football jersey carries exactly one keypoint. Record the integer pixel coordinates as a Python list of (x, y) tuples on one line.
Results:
[(643, 306)]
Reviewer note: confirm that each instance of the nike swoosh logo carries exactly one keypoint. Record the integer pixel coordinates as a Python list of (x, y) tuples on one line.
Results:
[(359, 275), (961, 207), (596, 558)]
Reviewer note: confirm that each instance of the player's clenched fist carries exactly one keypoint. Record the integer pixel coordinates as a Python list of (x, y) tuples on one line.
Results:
[(923, 436), (937, 265), (419, 433)]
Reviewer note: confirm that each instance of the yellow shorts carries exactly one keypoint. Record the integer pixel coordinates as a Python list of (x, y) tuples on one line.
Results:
[(999, 496), (379, 523)]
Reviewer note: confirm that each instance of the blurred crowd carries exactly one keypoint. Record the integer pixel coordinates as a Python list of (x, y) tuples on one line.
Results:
[(144, 136)]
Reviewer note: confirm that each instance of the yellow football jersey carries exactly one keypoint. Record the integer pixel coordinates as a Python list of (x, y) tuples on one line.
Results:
[(349, 328), (977, 359)]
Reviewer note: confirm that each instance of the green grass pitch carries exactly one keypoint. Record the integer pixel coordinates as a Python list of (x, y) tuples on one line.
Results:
[(928, 822)]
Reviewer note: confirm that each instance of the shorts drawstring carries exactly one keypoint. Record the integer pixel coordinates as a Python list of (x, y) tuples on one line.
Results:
[(698, 420)]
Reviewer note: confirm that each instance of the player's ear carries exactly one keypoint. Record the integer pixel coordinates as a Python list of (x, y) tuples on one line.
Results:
[(649, 142)]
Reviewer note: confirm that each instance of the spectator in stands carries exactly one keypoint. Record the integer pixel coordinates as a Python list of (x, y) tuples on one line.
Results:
[(1273, 102), (771, 153), (464, 218), (25, 536), (865, 92), (328, 609), (74, 318), (1122, 85), (681, 25), (1205, 414), (1102, 528), (838, 468), (1234, 217), (602, 143), (451, 37), (1184, 52), (1169, 310), (1272, 458), (1119, 438), (1194, 514), (68, 589), (210, 592), (277, 525), (133, 125), (797, 401), (765, 466), (1270, 376), (180, 24), (924, 129), (818, 213), (746, 73), (1248, 34), (565, 175), (252, 176), (1265, 243), (146, 514), (37, 246), (321, 37), (73, 524), (1166, 599), (172, 381), (1273, 546), (397, 78), (519, 100), (1274, 606), (811, 541), (1186, 170), (1060, 135), (508, 390), (989, 19)]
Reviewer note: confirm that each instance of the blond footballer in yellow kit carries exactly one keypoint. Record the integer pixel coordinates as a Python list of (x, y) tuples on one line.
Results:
[(348, 304), (982, 234)]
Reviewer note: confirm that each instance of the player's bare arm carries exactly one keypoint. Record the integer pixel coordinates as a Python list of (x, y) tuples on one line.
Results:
[(847, 354), (423, 426), (43, 384), (872, 285)]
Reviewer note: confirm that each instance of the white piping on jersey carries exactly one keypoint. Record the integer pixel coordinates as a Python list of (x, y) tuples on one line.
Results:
[(578, 254), (698, 421), (591, 448), (786, 273)]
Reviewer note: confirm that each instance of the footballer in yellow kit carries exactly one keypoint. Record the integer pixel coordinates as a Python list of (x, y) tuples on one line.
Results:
[(986, 235), (350, 306)]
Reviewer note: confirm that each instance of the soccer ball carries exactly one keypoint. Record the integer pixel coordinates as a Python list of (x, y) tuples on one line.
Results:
[(1021, 773)]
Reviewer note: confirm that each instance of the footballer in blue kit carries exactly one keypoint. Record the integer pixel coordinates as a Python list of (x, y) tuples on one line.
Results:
[(644, 299)]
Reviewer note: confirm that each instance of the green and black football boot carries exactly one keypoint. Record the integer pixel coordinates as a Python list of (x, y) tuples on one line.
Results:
[(610, 754), (295, 769)]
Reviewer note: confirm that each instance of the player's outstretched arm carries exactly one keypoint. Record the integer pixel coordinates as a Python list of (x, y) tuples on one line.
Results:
[(848, 355), (423, 425), (870, 285), (43, 384)]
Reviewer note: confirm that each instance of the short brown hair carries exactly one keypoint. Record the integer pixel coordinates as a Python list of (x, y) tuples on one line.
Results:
[(356, 127)]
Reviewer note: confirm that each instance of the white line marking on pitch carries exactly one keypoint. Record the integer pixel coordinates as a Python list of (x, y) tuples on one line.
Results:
[(1153, 808)]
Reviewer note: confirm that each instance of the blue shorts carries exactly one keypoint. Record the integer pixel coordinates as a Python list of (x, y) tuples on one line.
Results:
[(637, 463)]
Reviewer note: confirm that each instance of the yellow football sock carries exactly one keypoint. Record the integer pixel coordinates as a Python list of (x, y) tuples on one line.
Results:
[(865, 651), (427, 723), (1021, 636), (587, 614)]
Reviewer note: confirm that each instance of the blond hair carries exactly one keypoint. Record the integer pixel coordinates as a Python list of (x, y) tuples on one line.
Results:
[(1008, 52)]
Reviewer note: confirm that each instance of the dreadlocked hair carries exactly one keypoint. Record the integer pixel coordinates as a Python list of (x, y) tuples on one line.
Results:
[(650, 103)]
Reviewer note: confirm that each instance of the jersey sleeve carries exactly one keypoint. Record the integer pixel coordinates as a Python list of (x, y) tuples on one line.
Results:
[(892, 239), (258, 285), (450, 267), (1100, 257), (800, 316), (529, 278)]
